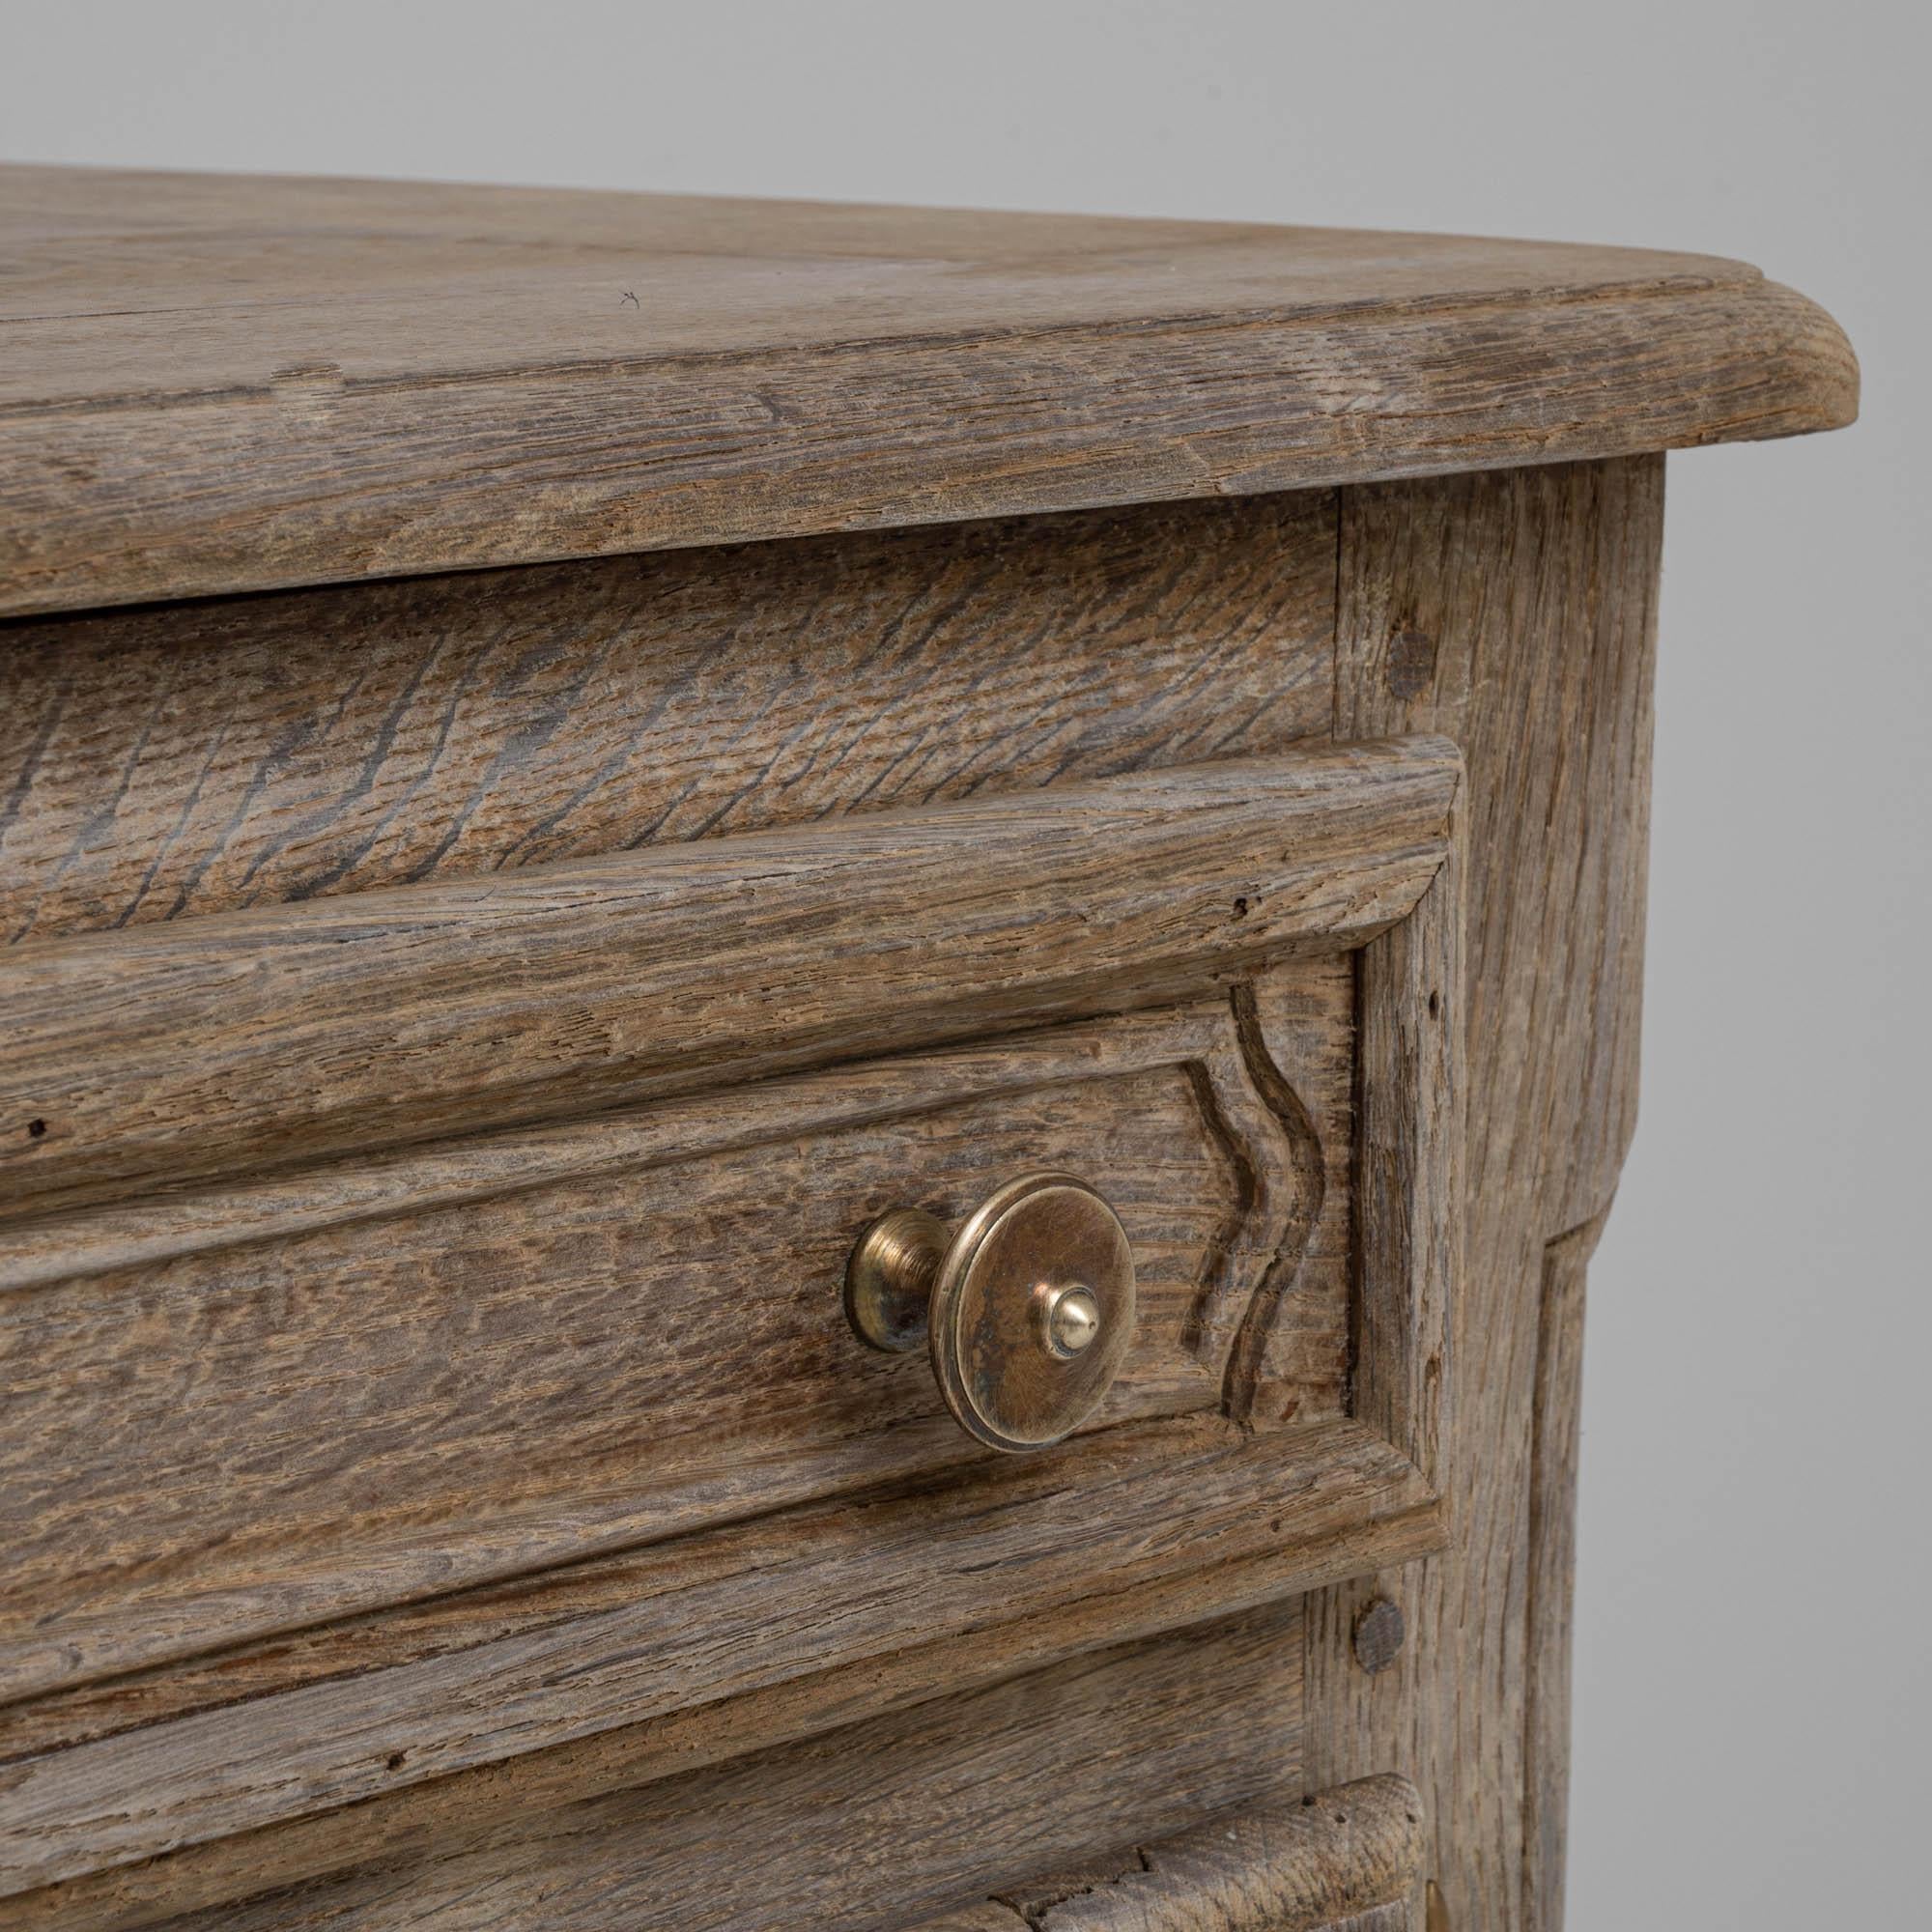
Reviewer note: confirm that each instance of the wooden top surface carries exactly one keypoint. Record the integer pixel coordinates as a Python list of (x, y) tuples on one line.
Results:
[(215, 383)]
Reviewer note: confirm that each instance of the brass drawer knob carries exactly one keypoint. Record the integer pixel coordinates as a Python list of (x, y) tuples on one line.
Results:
[(1027, 1307)]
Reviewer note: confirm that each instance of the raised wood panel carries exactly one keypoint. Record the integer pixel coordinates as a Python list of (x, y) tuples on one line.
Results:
[(257, 1037), (294, 1426), (710, 1617), (195, 758), (417, 1820), (863, 1830)]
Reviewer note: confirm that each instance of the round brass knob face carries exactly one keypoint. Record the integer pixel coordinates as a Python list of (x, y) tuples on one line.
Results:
[(1029, 1306)]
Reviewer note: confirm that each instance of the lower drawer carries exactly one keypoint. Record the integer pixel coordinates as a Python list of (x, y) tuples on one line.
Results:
[(1148, 1784)]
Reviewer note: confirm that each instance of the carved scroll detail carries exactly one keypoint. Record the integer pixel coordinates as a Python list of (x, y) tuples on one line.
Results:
[(1278, 1160)]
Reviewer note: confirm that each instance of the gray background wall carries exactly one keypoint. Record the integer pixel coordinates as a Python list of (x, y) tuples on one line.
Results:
[(1752, 1690)]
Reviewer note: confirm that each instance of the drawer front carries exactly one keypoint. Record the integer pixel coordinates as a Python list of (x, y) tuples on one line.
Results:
[(426, 1342), (644, 1335)]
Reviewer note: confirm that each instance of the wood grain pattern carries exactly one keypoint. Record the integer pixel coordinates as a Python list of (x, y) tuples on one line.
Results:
[(709, 1617), (1308, 1030), (1540, 597), (1286, 1866), (271, 383), (1396, 1918), (1409, 1203), (986, 1917), (868, 1828), (1529, 599), (195, 758), (323, 1417), (257, 1037)]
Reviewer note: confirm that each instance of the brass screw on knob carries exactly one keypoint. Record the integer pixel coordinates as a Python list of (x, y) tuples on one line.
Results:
[(1069, 1319), (1027, 1309)]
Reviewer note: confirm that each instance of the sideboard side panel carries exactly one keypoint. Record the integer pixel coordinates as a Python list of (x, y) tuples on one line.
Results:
[(1516, 612)]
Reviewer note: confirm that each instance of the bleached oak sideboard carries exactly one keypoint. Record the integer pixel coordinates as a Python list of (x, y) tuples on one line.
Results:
[(812, 1018)]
